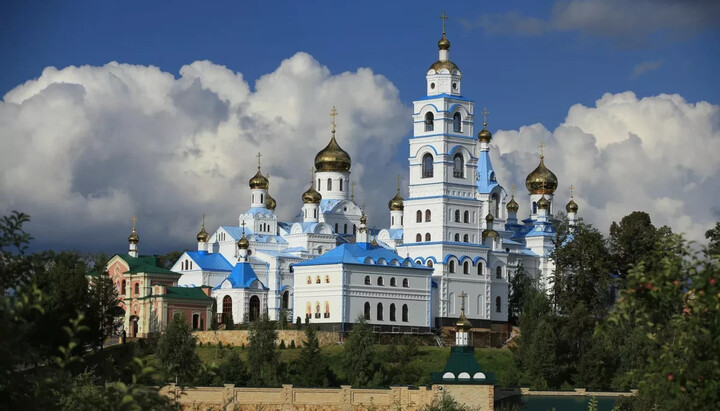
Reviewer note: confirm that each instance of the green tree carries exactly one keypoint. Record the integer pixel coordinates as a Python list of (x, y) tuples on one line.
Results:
[(631, 241), (169, 259), (263, 357), (520, 286), (713, 236), (234, 370), (105, 317), (313, 370), (176, 350), (359, 354), (444, 403), (214, 319)]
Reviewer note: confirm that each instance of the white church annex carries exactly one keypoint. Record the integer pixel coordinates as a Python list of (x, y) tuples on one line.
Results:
[(457, 233)]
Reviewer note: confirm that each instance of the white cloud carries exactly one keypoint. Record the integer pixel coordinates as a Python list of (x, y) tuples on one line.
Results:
[(85, 148), (656, 154)]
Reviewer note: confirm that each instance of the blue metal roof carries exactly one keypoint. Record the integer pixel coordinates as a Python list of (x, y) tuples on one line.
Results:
[(237, 232), (258, 210), (242, 276), (486, 180), (210, 261), (444, 95), (361, 253), (327, 205), (396, 233)]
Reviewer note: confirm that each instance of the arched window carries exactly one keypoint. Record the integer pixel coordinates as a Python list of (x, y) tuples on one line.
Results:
[(498, 272), (498, 304), (465, 238), (392, 312), (428, 216), (341, 184), (418, 238), (354, 229), (309, 280), (262, 198), (496, 204), (466, 217), (451, 267), (429, 263), (457, 216), (405, 313), (327, 309), (317, 280), (329, 184), (393, 282), (366, 313), (336, 229), (429, 121), (137, 288), (317, 309), (308, 310), (124, 285), (457, 123), (380, 281), (367, 280), (427, 237), (345, 229), (466, 267), (534, 207), (480, 268), (226, 305), (458, 166), (327, 279), (379, 312), (457, 238), (318, 187), (406, 284), (427, 166), (419, 216), (451, 303), (286, 300)]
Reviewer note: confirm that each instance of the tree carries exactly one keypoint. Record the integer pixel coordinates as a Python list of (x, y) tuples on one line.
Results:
[(167, 260), (214, 319), (263, 357), (234, 370), (444, 403), (520, 285), (105, 316), (312, 367), (713, 236), (176, 350), (359, 354), (631, 241)]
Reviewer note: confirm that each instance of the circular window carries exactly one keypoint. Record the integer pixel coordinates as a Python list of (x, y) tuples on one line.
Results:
[(432, 85), (455, 86)]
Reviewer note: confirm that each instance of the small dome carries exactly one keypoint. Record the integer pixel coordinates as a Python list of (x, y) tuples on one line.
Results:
[(489, 218), (270, 202), (332, 158), (446, 64), (259, 181), (396, 204), (543, 203), (485, 135), (243, 243), (463, 323), (541, 180), (203, 236), (444, 43), (363, 219), (133, 238), (512, 206), (311, 196), (572, 206)]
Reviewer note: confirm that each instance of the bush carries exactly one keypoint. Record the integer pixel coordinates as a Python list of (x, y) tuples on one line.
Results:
[(292, 343), (282, 345)]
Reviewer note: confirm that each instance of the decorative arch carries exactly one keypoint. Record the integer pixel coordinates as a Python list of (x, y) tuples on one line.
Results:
[(427, 165), (366, 311), (428, 215), (418, 238), (429, 121), (427, 237), (466, 217), (418, 216), (458, 166), (457, 123)]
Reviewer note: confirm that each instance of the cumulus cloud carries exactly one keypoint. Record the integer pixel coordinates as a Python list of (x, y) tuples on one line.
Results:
[(629, 23), (85, 148), (656, 154)]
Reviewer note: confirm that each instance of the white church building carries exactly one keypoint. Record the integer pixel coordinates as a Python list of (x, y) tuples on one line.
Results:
[(457, 233)]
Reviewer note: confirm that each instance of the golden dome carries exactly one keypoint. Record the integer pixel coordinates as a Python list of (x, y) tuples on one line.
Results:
[(485, 135), (444, 43), (311, 196), (203, 236), (270, 202), (489, 218), (243, 243), (543, 203), (332, 158), (512, 206), (133, 238), (463, 323), (572, 206), (541, 180), (447, 64), (259, 181), (363, 219), (396, 204)]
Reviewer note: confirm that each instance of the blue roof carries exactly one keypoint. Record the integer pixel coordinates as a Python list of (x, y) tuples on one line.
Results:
[(541, 229), (396, 233), (242, 276), (327, 205), (486, 180), (360, 253), (444, 95), (237, 232), (258, 210), (210, 261)]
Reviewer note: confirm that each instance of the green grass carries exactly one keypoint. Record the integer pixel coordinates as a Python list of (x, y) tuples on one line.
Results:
[(430, 359)]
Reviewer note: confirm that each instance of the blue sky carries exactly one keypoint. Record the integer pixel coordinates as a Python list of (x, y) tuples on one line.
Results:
[(625, 95)]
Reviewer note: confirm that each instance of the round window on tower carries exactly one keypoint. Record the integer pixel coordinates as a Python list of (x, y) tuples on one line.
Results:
[(432, 86), (454, 86)]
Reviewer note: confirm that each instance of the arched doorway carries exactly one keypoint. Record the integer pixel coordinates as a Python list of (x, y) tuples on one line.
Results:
[(196, 321), (254, 308), (134, 325)]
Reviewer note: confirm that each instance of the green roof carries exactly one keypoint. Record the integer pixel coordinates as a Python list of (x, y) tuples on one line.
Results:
[(462, 359), (187, 293), (144, 264)]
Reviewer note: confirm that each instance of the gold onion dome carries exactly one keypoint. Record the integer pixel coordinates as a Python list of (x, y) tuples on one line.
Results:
[(363, 219), (571, 206), (444, 43), (541, 180), (243, 243), (463, 323), (485, 135), (512, 206), (543, 203), (446, 64), (311, 196), (259, 181), (489, 218), (203, 236), (332, 158), (133, 238), (396, 204), (270, 202)]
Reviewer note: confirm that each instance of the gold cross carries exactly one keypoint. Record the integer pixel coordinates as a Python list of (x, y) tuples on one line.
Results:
[(243, 226), (333, 114), (352, 191), (485, 113), (542, 149), (444, 18), (462, 300), (134, 220), (258, 157), (398, 182), (572, 189)]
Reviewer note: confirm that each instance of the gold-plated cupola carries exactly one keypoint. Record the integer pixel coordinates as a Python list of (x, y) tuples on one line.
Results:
[(332, 157)]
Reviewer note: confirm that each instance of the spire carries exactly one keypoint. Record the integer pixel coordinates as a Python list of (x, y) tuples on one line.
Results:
[(463, 325), (258, 181), (243, 245), (133, 239), (444, 43), (512, 206), (203, 237), (484, 135), (572, 206)]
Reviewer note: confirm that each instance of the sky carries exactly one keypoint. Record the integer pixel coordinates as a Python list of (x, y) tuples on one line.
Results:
[(157, 109)]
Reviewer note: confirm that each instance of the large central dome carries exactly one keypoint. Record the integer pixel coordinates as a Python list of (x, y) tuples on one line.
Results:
[(332, 158), (541, 180)]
